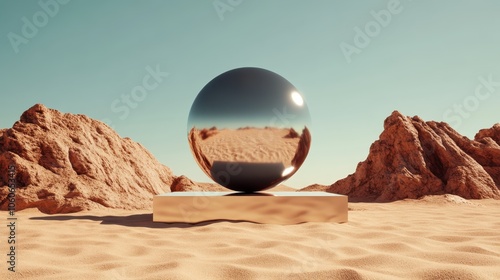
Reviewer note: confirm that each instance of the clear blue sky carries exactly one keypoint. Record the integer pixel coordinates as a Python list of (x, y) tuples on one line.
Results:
[(426, 60)]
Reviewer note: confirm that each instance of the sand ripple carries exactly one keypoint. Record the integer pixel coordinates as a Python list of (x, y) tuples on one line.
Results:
[(401, 240)]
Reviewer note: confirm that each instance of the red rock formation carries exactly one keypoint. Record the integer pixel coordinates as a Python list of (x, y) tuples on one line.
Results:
[(292, 134), (302, 148), (493, 133), (184, 184), (68, 163), (205, 133), (413, 158), (195, 140)]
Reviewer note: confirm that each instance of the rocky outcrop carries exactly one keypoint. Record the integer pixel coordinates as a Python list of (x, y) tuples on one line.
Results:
[(302, 148), (68, 163), (205, 133), (292, 134), (493, 133), (184, 184), (413, 158)]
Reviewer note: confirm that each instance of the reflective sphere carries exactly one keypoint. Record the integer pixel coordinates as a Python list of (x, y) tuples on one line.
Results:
[(248, 129)]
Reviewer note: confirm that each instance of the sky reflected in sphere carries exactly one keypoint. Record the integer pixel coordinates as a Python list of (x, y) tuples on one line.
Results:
[(248, 129)]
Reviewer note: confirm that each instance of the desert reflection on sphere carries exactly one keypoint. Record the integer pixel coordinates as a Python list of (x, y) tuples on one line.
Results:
[(248, 129)]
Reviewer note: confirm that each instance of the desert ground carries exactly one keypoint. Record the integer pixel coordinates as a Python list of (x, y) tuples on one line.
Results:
[(63, 162), (248, 145), (438, 237)]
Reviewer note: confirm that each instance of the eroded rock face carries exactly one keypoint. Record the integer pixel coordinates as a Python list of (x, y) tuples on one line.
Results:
[(493, 133), (68, 163), (413, 158), (184, 184)]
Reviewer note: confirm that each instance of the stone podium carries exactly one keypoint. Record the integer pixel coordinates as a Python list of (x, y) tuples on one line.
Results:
[(261, 207)]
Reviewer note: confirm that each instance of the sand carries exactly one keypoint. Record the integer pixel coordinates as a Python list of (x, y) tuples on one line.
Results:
[(435, 238), (249, 159), (250, 145)]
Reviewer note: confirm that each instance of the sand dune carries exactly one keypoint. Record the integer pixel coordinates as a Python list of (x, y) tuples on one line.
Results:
[(434, 238)]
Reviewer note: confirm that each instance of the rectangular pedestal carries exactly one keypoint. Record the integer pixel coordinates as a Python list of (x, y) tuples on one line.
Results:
[(269, 208)]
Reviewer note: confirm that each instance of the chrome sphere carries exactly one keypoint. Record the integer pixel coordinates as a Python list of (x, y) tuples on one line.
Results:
[(248, 129)]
